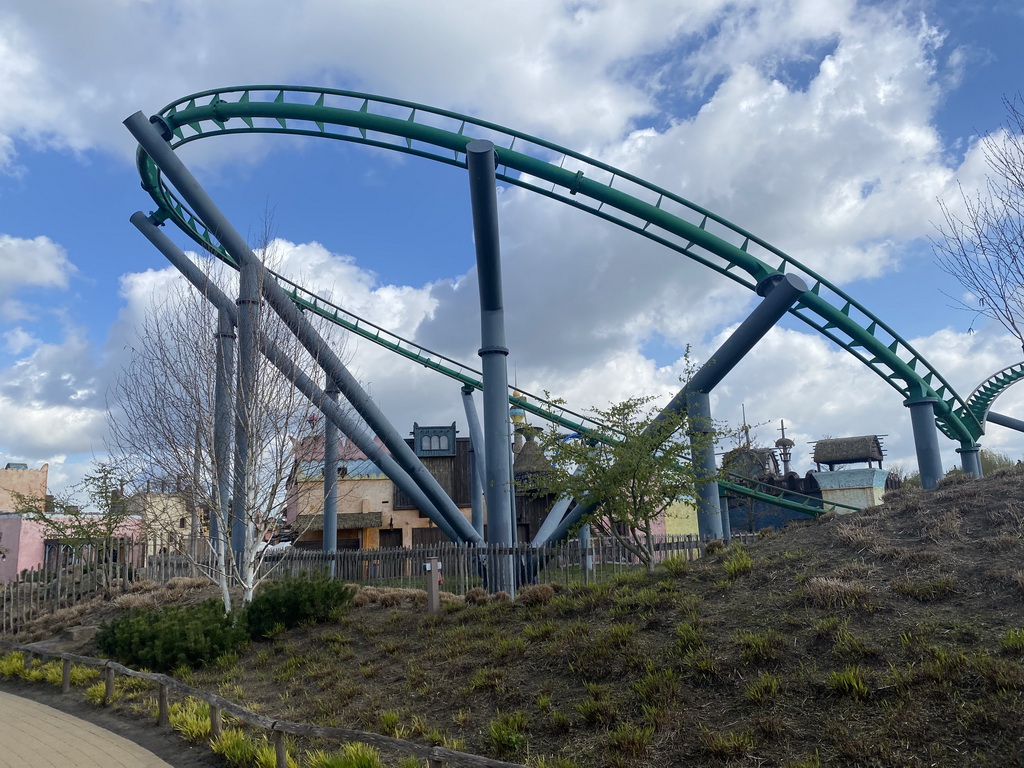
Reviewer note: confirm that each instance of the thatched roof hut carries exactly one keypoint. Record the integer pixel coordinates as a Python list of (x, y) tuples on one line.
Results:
[(848, 450)]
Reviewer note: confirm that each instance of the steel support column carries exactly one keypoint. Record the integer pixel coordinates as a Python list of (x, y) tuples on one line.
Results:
[(712, 520), (248, 328), (970, 460), (356, 431), (480, 161), (220, 517), (154, 141), (1005, 421), (330, 535), (926, 440), (477, 466)]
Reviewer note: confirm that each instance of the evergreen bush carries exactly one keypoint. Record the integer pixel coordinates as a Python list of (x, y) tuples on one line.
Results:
[(292, 602), (162, 640)]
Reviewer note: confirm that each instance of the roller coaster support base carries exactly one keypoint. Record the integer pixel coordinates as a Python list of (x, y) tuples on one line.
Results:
[(477, 470), (712, 523), (926, 440), (248, 325), (225, 362), (480, 161), (970, 460), (330, 535)]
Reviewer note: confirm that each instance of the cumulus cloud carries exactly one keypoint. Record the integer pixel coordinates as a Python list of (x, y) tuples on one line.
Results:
[(38, 262)]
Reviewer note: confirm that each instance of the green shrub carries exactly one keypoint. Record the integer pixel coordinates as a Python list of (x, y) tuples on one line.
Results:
[(630, 739), (737, 562), (354, 754), (764, 688), (292, 602), (849, 682), (194, 635), (506, 734), (1012, 641), (235, 747), (191, 718)]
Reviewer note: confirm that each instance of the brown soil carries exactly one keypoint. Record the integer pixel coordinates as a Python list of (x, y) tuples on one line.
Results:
[(891, 637)]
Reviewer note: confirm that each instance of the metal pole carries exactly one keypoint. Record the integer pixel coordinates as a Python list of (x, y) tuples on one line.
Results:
[(477, 470), (154, 141), (712, 520), (330, 535), (780, 291), (248, 328), (970, 459), (480, 161), (222, 424), (352, 429), (1005, 421), (926, 440)]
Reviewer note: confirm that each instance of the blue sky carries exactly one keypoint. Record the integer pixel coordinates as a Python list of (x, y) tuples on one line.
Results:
[(829, 129)]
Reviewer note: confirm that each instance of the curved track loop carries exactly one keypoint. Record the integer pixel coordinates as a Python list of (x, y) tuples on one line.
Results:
[(572, 178), (559, 173), (980, 400)]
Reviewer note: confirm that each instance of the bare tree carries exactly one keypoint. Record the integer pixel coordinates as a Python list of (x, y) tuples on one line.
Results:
[(163, 417), (982, 247)]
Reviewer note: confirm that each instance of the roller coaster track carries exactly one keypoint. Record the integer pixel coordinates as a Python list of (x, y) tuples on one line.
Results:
[(561, 174), (980, 400)]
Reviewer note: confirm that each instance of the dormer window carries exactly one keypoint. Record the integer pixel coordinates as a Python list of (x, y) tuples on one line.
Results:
[(434, 441)]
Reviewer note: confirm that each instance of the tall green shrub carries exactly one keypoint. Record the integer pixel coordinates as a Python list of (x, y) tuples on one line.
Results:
[(290, 602)]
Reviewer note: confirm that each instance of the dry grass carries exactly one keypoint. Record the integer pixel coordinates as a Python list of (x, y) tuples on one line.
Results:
[(834, 592)]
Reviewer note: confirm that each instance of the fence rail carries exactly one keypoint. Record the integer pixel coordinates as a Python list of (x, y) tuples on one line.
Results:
[(74, 575), (437, 757)]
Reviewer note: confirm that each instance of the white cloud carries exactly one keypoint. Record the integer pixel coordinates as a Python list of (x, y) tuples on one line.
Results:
[(37, 262), (18, 340)]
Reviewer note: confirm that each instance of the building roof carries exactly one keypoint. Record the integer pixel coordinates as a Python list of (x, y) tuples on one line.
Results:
[(848, 450)]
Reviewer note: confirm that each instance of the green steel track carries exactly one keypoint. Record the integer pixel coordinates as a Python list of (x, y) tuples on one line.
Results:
[(564, 175), (980, 400)]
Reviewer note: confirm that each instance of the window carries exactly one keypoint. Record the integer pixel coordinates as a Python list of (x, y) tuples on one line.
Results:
[(434, 441), (181, 523)]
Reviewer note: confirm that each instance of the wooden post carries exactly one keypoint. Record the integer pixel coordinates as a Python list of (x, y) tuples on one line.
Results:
[(433, 585), (280, 749), (216, 722), (108, 688), (433, 760), (65, 678), (163, 716)]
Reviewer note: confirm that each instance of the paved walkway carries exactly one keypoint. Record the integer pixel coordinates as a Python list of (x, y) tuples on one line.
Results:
[(34, 735)]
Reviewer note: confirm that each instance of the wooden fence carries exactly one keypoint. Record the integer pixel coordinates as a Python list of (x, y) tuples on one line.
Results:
[(74, 575), (436, 757)]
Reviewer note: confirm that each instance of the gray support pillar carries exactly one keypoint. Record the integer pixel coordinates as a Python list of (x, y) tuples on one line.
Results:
[(477, 469), (926, 440), (354, 430), (480, 161), (551, 521), (970, 459), (154, 141), (780, 291), (248, 328), (1005, 421), (712, 523), (586, 555), (222, 425), (330, 535)]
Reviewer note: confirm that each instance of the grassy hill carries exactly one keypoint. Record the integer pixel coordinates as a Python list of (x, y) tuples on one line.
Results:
[(891, 637)]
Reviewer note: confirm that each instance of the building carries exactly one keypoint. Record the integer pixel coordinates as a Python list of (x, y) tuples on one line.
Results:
[(374, 513)]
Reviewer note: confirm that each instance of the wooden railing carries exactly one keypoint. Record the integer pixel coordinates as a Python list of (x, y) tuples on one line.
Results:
[(436, 757), (73, 578)]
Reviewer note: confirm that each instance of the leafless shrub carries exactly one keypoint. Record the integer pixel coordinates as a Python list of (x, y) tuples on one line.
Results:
[(885, 551), (946, 527), (476, 596), (850, 571), (1009, 512), (855, 535), (184, 583), (1018, 580), (501, 597), (833, 592), (135, 601), (1003, 543), (143, 585), (535, 594)]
